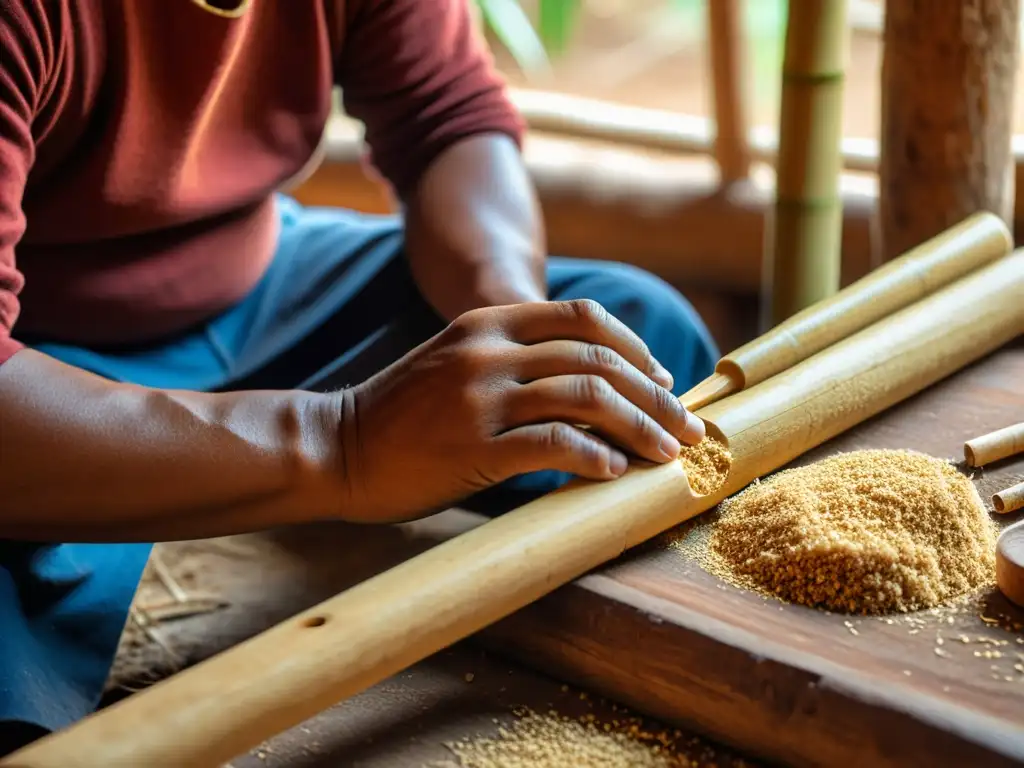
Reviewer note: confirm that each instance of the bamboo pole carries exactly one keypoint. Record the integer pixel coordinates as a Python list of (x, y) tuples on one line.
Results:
[(204, 716), (802, 260), (726, 45), (949, 72), (971, 244), (995, 446), (1010, 563)]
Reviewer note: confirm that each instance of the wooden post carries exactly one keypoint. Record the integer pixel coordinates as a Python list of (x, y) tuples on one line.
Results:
[(949, 73), (803, 255), (725, 46)]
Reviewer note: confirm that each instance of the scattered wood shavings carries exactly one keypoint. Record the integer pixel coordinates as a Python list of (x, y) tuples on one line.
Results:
[(707, 465), (861, 532)]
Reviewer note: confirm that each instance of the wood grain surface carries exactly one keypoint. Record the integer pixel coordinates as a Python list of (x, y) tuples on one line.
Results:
[(791, 683)]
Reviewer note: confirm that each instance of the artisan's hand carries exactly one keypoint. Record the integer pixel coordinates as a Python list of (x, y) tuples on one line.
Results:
[(497, 394)]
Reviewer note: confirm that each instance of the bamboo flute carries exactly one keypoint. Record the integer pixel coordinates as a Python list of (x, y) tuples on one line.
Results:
[(1009, 500), (974, 242), (802, 258), (206, 715), (995, 446)]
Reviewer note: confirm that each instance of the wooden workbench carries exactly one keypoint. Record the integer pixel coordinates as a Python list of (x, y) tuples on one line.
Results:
[(656, 632)]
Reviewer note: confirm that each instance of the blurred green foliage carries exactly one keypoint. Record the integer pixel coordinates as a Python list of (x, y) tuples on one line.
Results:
[(536, 32)]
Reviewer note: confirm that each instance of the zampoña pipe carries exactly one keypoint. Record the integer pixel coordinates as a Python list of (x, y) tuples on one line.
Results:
[(204, 716), (976, 241)]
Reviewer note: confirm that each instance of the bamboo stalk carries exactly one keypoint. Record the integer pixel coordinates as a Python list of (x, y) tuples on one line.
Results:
[(971, 244), (995, 446), (802, 260), (725, 44), (948, 87), (206, 715)]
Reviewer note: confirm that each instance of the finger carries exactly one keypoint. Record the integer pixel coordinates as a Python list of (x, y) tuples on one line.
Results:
[(583, 320), (560, 447), (559, 358), (591, 400)]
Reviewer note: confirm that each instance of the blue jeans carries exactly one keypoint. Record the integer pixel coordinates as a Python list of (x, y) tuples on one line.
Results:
[(337, 304)]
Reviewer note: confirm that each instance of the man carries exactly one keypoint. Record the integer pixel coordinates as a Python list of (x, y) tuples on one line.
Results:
[(185, 353)]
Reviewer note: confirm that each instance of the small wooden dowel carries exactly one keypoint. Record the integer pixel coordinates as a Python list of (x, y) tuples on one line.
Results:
[(995, 446), (1010, 500)]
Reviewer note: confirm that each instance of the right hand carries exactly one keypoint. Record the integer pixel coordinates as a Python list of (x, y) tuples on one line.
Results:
[(501, 392)]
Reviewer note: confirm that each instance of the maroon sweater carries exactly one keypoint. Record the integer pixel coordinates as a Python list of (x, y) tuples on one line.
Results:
[(141, 142)]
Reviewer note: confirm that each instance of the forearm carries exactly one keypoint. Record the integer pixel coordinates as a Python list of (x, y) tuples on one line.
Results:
[(474, 232), (85, 459)]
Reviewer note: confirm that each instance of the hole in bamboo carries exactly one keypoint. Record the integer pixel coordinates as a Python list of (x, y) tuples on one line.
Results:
[(314, 621), (707, 463)]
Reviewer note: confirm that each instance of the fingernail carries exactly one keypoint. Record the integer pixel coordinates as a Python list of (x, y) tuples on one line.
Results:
[(670, 446), (662, 376), (694, 431), (617, 464)]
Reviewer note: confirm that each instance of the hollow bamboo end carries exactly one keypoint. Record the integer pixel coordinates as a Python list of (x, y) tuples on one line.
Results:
[(713, 388), (970, 457), (999, 504)]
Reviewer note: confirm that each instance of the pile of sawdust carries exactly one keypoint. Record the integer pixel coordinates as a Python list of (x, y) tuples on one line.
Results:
[(554, 741), (707, 465), (862, 532)]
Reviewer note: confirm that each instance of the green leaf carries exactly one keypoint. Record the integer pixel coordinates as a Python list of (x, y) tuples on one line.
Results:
[(556, 22), (510, 24)]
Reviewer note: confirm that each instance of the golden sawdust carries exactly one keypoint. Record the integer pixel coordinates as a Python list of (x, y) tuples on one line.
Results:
[(863, 532), (707, 465), (552, 740)]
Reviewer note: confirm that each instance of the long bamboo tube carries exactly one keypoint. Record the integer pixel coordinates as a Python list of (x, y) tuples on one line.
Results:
[(726, 46), (974, 242), (204, 716), (802, 261), (949, 79)]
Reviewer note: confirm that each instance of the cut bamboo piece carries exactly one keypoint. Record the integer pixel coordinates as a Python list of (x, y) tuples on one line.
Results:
[(949, 80), (1010, 563), (1010, 500), (995, 446), (206, 715), (726, 46), (802, 259), (971, 244)]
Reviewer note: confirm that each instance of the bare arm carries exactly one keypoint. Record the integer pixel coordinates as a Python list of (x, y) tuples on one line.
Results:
[(84, 459)]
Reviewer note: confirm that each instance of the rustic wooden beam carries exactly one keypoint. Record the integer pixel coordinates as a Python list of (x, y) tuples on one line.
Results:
[(666, 214), (948, 83), (726, 47)]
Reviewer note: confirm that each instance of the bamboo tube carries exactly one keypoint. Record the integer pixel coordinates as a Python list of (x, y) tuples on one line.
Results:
[(206, 715), (1010, 500), (995, 446), (726, 45), (974, 242), (802, 260), (948, 85), (1010, 563)]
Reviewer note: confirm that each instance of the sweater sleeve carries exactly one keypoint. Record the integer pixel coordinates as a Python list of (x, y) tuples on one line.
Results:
[(23, 30), (420, 78)]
